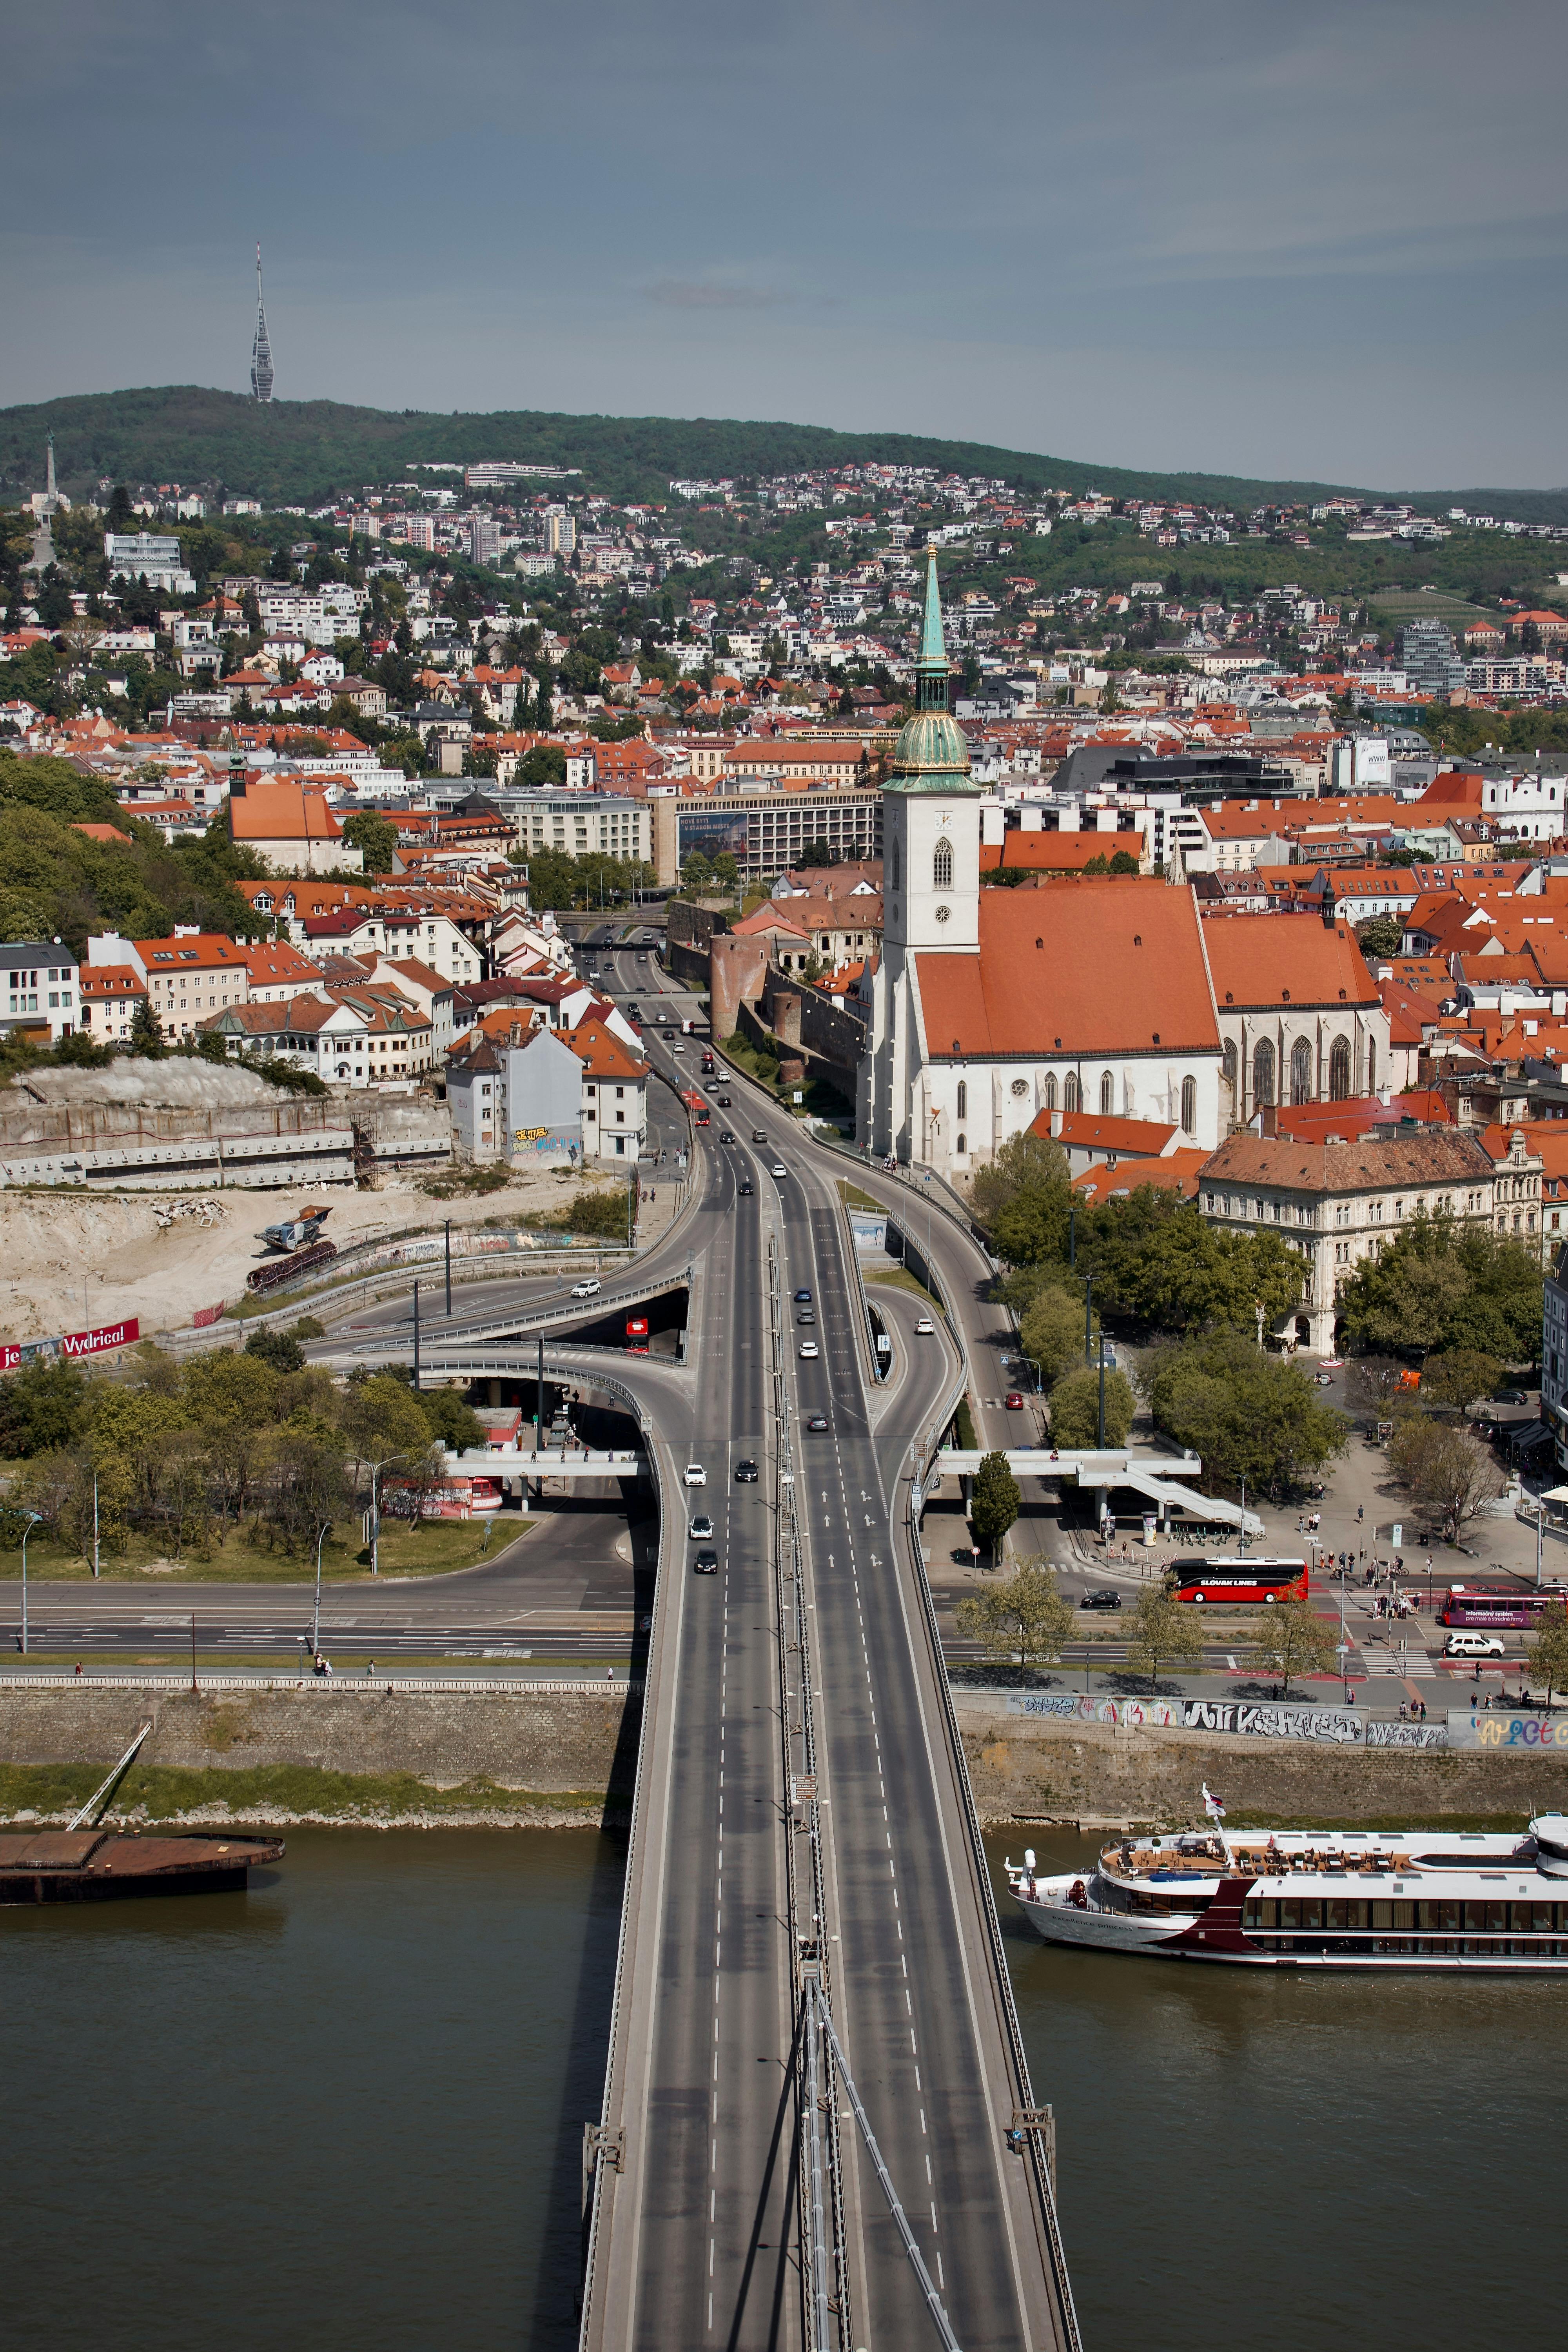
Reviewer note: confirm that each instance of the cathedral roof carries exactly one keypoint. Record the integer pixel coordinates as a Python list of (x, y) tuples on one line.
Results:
[(1078, 969)]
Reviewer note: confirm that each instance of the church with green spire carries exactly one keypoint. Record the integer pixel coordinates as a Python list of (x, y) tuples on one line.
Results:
[(994, 1012), (930, 883)]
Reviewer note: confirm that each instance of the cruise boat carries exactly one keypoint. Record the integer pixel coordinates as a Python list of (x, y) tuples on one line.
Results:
[(1417, 1899)]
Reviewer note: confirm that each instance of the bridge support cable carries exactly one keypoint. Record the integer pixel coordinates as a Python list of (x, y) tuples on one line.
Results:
[(824, 2257), (1032, 2131), (900, 2219), (820, 2332)]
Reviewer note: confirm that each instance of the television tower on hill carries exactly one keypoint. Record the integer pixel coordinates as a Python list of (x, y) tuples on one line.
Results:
[(262, 349)]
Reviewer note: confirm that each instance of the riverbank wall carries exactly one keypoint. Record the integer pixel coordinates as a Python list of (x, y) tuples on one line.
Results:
[(1035, 1768), (407, 1758), (391, 1757)]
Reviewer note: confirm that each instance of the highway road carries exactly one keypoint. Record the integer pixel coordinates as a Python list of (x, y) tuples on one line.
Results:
[(691, 2242)]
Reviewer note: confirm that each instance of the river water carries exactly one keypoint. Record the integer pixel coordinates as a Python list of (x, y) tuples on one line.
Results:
[(346, 2107)]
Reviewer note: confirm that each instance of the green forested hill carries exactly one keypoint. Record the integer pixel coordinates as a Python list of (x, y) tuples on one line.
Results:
[(306, 451)]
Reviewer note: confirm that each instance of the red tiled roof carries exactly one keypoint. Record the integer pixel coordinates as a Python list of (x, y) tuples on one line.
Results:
[(1080, 967), (1297, 959)]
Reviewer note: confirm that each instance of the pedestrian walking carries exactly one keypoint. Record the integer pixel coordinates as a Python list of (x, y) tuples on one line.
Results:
[(1359, 1513)]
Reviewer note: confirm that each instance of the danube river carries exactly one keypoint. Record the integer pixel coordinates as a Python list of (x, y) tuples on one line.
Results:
[(346, 2107)]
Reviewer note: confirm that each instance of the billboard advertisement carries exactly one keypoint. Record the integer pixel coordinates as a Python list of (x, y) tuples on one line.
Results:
[(76, 1345)]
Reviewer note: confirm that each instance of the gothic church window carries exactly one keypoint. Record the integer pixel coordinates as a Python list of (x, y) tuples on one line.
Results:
[(1070, 1091), (1300, 1071), (942, 865), (1263, 1073), (1189, 1106), (1340, 1070), (963, 1099), (1107, 1095)]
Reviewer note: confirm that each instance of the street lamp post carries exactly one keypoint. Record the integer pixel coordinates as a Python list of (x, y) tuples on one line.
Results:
[(376, 1470), (1101, 1440), (1087, 1319), (449, 1269), (31, 1520), (321, 1534)]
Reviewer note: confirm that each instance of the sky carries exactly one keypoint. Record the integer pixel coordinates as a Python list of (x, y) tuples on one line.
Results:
[(1238, 237)]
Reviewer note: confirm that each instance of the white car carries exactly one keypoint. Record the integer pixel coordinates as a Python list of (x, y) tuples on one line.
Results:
[(586, 1289), (702, 1528), (1473, 1646), (808, 1348), (695, 1474), (924, 1327), (778, 1168)]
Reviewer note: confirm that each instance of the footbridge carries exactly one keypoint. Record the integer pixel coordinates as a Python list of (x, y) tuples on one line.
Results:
[(1162, 1479)]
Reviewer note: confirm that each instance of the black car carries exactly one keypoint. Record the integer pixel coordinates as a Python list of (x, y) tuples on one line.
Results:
[(745, 1185), (722, 1101), (1101, 1600), (705, 1564), (818, 1421), (725, 1135), (806, 1314), (802, 1299), (745, 1473)]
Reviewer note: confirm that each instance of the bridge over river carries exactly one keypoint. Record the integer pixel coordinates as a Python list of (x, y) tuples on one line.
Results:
[(818, 2127)]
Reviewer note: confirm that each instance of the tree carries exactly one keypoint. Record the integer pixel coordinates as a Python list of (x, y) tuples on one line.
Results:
[(696, 875), (368, 831), (1547, 1657), (1290, 1639), (1379, 1385), (1460, 1376), (1248, 1416), (1161, 1630), (380, 1416), (40, 1407), (1024, 1619), (1448, 1471), (1023, 1197), (727, 872), (1052, 1332), (1075, 1408), (1380, 936), (818, 853), (1438, 1286), (280, 1350), (146, 1033), (306, 1488), (451, 1418), (541, 767), (996, 1501)]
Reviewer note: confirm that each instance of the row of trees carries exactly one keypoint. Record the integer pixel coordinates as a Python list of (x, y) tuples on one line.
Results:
[(1027, 1620), (182, 1454)]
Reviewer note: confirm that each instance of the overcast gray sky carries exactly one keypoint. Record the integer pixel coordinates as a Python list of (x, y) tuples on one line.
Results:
[(1236, 234)]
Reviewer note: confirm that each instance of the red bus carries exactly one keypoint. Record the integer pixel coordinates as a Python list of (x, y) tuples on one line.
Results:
[(704, 1116), (1240, 1577), (637, 1335), (1497, 1604)]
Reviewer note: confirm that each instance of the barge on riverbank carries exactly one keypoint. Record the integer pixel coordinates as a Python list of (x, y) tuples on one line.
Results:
[(97, 1865)]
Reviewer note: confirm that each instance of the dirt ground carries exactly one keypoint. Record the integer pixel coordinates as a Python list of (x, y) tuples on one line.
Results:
[(73, 1262)]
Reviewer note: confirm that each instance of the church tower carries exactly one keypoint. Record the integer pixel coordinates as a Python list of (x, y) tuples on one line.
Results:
[(930, 888)]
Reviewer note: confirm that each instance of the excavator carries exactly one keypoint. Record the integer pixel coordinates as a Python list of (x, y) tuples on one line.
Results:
[(295, 1233)]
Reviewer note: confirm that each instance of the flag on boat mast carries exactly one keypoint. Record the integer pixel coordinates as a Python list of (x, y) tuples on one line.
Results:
[(1212, 1805)]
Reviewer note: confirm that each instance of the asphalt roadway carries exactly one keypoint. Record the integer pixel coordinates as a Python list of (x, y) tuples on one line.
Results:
[(701, 2243)]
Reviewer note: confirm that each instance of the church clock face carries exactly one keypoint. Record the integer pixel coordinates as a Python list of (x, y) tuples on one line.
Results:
[(943, 913)]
